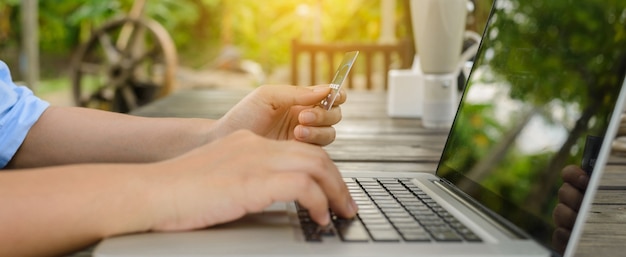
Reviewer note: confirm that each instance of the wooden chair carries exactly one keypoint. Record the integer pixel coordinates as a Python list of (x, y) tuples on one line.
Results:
[(370, 55)]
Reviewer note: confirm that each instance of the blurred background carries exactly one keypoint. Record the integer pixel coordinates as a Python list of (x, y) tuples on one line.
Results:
[(209, 36)]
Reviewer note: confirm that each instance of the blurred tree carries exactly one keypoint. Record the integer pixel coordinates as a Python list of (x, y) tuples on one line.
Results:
[(561, 65), (200, 28), (578, 66)]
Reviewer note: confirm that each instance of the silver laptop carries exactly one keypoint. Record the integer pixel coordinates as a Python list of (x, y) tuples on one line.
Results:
[(545, 92)]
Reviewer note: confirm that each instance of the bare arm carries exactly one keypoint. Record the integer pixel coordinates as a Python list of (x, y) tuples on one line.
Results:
[(181, 179), (69, 135), (55, 210)]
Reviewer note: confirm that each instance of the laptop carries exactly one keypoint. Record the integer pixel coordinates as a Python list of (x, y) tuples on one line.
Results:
[(545, 91)]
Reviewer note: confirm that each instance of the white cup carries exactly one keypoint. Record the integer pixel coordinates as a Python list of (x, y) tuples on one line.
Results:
[(439, 30), (440, 96), (439, 27)]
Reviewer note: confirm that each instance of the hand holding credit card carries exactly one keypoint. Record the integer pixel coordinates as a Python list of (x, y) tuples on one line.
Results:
[(340, 75)]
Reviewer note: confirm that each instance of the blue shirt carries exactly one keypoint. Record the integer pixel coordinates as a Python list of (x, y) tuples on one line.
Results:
[(19, 110)]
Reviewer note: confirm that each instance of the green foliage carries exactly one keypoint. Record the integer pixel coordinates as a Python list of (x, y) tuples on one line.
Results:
[(556, 66), (263, 30), (93, 11), (10, 2)]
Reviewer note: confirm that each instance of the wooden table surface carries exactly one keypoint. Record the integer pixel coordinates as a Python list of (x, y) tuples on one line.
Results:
[(368, 139)]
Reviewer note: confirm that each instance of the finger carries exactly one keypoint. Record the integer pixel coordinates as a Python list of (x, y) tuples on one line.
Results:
[(282, 96), (315, 162), (570, 196), (560, 237), (319, 117), (564, 217), (329, 178), (293, 186), (341, 98), (315, 135), (575, 176)]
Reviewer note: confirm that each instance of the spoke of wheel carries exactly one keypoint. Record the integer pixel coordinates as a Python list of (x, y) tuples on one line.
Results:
[(105, 92), (89, 72), (136, 34), (91, 68), (154, 52), (144, 67), (111, 52), (144, 57), (129, 97)]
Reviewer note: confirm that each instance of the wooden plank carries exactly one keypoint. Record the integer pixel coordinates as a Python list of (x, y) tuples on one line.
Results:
[(607, 214), (617, 158), (610, 197), (211, 104), (602, 240), (386, 147), (614, 176), (604, 233)]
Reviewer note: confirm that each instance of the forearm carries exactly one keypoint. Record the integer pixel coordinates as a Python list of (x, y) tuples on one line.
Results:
[(51, 211), (68, 135)]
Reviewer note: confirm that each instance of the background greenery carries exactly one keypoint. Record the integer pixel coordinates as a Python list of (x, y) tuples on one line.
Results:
[(557, 63), (262, 30)]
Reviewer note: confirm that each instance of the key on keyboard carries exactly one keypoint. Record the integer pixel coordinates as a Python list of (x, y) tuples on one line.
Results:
[(390, 210)]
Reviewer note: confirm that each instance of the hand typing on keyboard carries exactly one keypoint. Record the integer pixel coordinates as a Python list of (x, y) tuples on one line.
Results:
[(273, 171), (390, 210), (160, 173)]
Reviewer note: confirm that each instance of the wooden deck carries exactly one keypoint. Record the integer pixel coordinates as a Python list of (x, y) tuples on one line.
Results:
[(367, 139)]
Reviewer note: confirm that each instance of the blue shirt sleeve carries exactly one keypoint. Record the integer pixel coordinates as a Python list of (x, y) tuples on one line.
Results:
[(19, 110)]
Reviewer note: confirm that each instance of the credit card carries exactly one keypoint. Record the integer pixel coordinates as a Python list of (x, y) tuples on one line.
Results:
[(591, 152), (340, 76)]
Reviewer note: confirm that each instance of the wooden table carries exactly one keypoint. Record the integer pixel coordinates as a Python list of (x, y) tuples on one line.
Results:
[(368, 139)]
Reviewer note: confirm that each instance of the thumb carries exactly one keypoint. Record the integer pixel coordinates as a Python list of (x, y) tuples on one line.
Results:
[(286, 96)]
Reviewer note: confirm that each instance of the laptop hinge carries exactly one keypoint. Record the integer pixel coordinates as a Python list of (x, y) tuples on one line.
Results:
[(472, 205)]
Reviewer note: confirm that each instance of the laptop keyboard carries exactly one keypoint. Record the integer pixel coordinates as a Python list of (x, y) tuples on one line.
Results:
[(390, 210)]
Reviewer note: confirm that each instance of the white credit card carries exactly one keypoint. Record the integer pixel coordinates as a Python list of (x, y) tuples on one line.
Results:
[(340, 76)]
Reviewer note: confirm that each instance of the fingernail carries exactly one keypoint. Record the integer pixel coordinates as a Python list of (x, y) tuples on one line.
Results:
[(307, 117), (583, 180), (352, 207), (320, 89), (326, 220), (303, 132)]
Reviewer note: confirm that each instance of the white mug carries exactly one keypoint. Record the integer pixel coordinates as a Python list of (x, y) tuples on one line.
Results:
[(439, 30), (440, 99)]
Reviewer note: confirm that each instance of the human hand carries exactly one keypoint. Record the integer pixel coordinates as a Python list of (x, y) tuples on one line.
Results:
[(284, 113), (571, 195), (244, 173)]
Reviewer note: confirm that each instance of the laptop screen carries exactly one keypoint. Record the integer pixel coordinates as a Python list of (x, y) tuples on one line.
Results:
[(540, 95)]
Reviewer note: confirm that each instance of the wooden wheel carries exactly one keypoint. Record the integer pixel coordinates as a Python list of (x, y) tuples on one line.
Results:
[(126, 63)]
